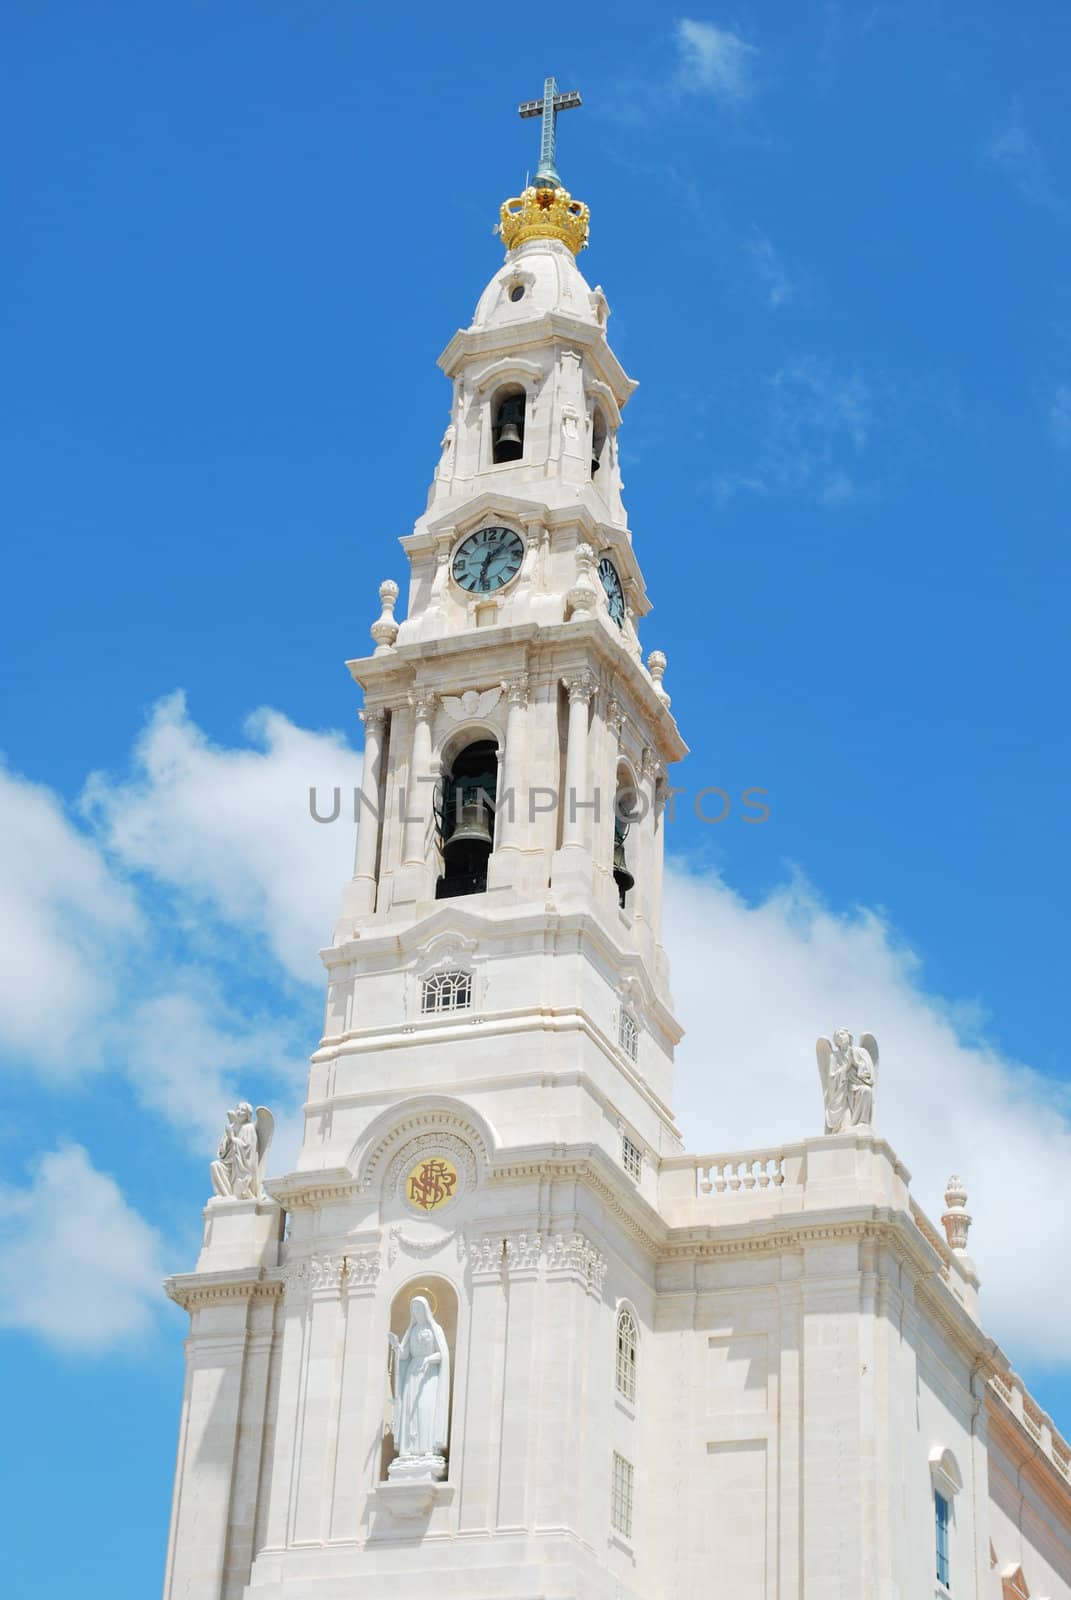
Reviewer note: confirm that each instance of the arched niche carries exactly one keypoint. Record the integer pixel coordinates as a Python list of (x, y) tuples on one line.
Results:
[(628, 810), (467, 817), (442, 1297)]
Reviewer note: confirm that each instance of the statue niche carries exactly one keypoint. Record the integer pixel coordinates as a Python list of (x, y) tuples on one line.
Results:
[(421, 1339)]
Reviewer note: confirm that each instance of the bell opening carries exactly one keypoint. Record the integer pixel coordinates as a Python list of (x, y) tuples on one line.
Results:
[(624, 810), (507, 428), (467, 820)]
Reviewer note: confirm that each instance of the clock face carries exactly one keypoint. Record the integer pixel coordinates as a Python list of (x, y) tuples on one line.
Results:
[(615, 595), (487, 560)]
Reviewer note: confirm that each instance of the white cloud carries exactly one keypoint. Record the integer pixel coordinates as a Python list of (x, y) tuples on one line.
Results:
[(715, 61), (777, 285), (1058, 416), (230, 829), (755, 985), (78, 1266), (64, 916), (815, 426), (1014, 151)]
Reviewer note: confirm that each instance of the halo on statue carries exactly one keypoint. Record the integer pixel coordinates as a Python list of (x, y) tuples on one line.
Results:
[(429, 1295)]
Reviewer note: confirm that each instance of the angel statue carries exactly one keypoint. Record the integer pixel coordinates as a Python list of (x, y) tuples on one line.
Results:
[(421, 1392), (849, 1074), (238, 1173)]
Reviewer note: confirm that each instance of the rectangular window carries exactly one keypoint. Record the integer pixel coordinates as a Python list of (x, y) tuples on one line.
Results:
[(446, 991), (631, 1157), (628, 1035), (940, 1508), (621, 1496)]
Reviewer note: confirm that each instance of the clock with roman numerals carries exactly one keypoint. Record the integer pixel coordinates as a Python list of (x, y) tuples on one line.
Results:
[(487, 560), (615, 594)]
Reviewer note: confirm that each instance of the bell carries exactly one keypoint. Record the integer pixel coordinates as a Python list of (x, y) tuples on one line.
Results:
[(622, 876), (509, 444), (473, 827)]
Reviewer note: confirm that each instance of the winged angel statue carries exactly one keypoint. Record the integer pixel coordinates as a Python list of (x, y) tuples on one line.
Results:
[(849, 1074), (238, 1172)]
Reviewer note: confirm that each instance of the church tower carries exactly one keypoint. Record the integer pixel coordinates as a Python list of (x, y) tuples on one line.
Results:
[(497, 1335), (492, 1089)]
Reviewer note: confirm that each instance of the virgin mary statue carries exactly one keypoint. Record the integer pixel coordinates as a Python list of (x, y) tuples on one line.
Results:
[(421, 1391)]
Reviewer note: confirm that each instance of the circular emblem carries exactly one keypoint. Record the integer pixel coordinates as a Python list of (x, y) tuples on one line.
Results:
[(432, 1183)]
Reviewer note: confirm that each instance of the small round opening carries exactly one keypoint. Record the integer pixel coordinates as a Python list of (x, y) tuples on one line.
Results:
[(517, 292)]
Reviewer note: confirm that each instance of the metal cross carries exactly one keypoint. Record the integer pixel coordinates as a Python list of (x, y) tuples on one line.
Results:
[(552, 102)]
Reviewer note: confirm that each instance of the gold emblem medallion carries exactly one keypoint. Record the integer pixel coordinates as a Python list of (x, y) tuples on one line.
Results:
[(431, 1183)]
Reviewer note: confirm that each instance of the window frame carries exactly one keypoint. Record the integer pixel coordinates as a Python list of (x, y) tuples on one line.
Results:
[(454, 981), (626, 1355), (622, 1494)]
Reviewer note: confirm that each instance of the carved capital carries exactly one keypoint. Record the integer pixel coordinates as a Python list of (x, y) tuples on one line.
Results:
[(581, 686), (615, 717), (362, 1270), (423, 704), (486, 1258), (573, 1256), (373, 718), (516, 690), (524, 1252), (651, 768)]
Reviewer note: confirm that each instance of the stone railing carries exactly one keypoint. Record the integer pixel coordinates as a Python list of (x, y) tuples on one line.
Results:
[(753, 1169), (932, 1237), (739, 1171), (1022, 1405)]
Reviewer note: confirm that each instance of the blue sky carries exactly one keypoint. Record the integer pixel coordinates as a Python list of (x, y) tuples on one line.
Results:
[(834, 240)]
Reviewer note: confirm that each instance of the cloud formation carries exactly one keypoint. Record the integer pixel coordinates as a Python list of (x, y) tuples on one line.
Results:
[(222, 839), (1013, 151), (78, 1265), (1057, 410), (755, 985), (715, 61)]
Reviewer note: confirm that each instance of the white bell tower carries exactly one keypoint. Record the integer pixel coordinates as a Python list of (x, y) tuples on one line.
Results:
[(491, 1096)]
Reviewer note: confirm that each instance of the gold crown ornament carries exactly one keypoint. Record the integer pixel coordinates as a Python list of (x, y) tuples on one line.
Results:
[(545, 213)]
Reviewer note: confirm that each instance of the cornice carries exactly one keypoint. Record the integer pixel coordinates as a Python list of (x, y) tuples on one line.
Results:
[(1027, 1455), (193, 1290), (569, 645), (304, 1191), (550, 328)]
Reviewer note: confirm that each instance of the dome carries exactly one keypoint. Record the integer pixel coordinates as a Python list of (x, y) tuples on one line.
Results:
[(537, 277)]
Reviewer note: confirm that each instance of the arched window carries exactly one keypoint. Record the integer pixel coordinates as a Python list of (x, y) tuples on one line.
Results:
[(599, 438), (947, 1481), (446, 991), (467, 819), (508, 410), (625, 813), (627, 1343)]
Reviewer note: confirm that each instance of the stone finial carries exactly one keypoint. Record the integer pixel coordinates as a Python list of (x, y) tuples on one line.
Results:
[(957, 1219), (581, 599), (656, 666), (385, 630)]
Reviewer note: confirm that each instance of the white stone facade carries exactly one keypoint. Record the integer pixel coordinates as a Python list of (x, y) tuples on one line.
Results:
[(747, 1374)]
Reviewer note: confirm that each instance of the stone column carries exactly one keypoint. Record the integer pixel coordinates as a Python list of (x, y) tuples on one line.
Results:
[(580, 688), (511, 818), (485, 1354), (361, 1394), (417, 794), (364, 866)]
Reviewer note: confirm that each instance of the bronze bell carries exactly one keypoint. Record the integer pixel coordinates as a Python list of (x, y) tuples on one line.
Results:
[(473, 825), (622, 876)]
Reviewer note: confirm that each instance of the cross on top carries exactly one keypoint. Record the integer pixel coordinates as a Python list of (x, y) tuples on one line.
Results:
[(552, 102)]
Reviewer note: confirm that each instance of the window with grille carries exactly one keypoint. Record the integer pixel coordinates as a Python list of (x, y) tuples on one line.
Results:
[(626, 1353), (621, 1495), (940, 1509), (446, 991), (628, 1035), (631, 1157)]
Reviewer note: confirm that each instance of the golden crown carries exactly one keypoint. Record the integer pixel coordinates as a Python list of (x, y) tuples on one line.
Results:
[(545, 214)]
